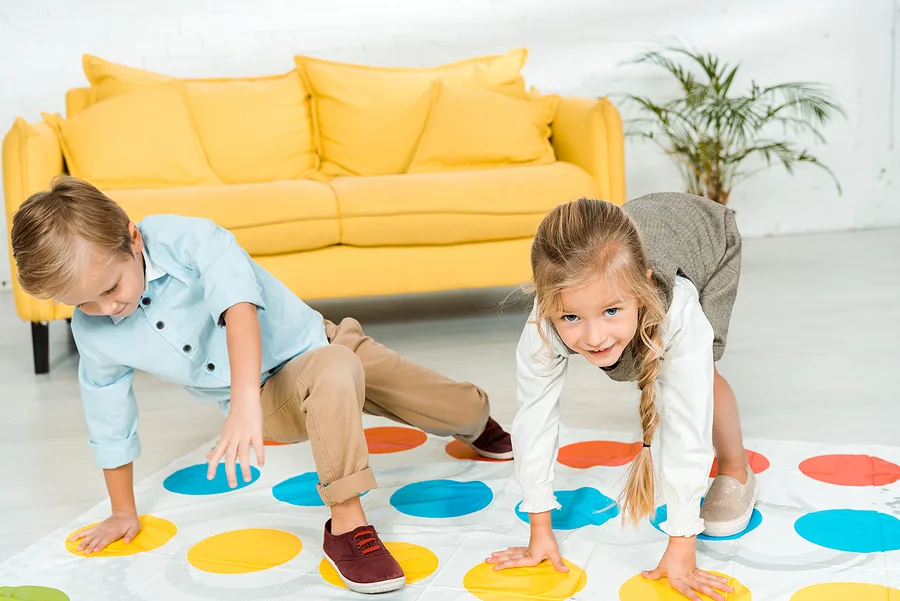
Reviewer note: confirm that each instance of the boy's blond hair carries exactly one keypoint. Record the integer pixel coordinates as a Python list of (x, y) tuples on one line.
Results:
[(54, 231)]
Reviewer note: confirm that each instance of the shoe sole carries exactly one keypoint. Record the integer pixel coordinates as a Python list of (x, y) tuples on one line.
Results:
[(498, 456), (737, 525), (370, 588)]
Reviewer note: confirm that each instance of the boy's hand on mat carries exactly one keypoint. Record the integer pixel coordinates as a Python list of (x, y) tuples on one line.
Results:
[(120, 525), (679, 565), (241, 432), (542, 546)]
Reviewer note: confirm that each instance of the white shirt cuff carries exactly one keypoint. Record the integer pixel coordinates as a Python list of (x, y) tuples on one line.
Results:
[(683, 520), (538, 499)]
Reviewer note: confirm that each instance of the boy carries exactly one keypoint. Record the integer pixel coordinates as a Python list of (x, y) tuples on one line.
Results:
[(178, 298)]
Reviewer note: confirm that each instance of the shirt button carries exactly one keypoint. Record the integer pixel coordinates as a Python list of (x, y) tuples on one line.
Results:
[(160, 325), (145, 301), (186, 348), (210, 367)]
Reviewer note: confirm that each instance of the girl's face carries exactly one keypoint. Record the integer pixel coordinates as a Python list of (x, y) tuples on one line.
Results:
[(596, 322)]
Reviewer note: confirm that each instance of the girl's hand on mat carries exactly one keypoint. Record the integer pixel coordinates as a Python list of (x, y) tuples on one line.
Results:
[(120, 525), (542, 546), (679, 565), (241, 432)]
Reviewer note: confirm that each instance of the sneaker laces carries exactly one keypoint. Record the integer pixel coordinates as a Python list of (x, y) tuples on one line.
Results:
[(372, 541)]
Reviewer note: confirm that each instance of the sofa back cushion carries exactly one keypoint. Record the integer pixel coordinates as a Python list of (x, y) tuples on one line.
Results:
[(145, 139), (471, 129), (369, 120), (253, 129)]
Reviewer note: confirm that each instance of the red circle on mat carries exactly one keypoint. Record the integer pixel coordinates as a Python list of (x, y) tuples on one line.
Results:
[(592, 453), (460, 450), (391, 439), (851, 470), (758, 463)]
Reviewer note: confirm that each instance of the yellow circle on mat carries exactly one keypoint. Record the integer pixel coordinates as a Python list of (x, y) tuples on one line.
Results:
[(155, 532), (641, 589), (541, 582), (244, 551), (418, 563), (845, 591)]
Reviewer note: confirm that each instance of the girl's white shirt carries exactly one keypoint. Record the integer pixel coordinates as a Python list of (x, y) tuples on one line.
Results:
[(684, 401)]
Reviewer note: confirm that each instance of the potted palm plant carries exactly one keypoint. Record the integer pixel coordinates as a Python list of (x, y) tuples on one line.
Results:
[(714, 133)]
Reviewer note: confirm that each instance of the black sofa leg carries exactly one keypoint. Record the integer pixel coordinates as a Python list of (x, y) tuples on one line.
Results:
[(40, 343)]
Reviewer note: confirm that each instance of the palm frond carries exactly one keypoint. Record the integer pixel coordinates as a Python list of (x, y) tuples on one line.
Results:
[(710, 131), (803, 99), (685, 78), (811, 160)]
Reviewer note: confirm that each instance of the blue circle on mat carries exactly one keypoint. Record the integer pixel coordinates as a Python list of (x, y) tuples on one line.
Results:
[(442, 498), (300, 490), (192, 480), (851, 530), (662, 515), (582, 507)]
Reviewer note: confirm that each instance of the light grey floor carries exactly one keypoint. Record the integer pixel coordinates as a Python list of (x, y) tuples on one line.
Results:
[(812, 355)]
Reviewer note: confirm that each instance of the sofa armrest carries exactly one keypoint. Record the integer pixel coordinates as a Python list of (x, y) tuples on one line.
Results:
[(588, 133), (31, 159)]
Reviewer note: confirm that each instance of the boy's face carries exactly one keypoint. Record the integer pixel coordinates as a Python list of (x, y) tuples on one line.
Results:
[(110, 287)]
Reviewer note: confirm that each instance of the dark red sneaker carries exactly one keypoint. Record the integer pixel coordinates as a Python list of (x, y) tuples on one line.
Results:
[(362, 561), (494, 442)]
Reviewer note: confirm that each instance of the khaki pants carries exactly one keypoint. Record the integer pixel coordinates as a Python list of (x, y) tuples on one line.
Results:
[(322, 394)]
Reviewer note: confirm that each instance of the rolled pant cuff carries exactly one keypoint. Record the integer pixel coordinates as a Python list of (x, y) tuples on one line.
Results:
[(347, 487), (469, 439)]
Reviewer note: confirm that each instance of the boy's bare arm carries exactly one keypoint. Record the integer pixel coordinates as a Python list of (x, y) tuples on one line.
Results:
[(244, 352), (120, 484), (123, 523), (243, 428)]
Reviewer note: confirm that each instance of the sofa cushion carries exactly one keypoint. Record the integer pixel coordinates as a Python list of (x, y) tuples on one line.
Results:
[(481, 129), (369, 119), (452, 208), (109, 79), (78, 99), (253, 129), (266, 219), (145, 139)]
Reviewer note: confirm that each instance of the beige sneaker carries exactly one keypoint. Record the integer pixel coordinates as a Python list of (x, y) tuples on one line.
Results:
[(729, 505)]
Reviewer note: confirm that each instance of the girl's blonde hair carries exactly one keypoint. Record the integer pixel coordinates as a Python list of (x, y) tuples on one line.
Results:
[(54, 232), (575, 244)]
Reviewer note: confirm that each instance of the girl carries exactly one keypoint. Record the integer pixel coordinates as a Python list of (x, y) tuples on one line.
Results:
[(645, 293)]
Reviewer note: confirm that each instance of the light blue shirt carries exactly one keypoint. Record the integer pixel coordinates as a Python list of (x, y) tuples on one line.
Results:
[(194, 271)]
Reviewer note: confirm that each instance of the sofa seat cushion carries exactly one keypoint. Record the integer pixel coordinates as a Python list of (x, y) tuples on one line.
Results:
[(454, 207), (267, 219)]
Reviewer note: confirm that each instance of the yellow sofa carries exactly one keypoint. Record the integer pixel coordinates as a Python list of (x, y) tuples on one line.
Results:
[(356, 213)]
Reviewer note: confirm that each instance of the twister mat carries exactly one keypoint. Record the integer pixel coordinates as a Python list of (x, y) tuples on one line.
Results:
[(826, 529)]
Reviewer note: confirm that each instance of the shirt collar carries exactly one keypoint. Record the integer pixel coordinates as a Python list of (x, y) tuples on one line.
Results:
[(151, 272)]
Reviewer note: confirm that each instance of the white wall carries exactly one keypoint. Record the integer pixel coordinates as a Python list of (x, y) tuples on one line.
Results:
[(578, 47)]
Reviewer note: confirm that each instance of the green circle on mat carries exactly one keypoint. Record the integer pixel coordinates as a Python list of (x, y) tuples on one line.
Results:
[(31, 593)]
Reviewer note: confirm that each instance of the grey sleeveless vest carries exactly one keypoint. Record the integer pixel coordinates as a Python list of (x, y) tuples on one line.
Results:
[(698, 239)]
